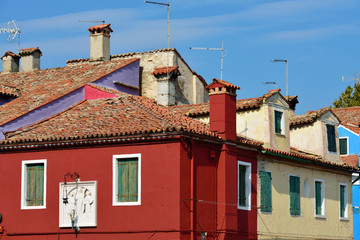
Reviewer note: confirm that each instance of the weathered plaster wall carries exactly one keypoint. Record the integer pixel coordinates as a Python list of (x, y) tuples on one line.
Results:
[(281, 225), (314, 141)]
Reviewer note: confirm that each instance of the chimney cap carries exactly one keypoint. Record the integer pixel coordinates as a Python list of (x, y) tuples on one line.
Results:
[(28, 51), (221, 83), (100, 27), (165, 70), (9, 53)]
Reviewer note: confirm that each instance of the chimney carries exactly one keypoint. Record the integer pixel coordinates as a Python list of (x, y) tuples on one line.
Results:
[(30, 59), (100, 42), (166, 77), (10, 62), (223, 108)]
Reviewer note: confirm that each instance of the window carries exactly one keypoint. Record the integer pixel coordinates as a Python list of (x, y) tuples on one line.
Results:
[(265, 192), (319, 198), (294, 195), (331, 138), (343, 197), (33, 184), (278, 118), (244, 185), (343, 143), (126, 179)]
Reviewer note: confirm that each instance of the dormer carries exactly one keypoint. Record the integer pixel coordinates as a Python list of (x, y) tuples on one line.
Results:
[(8, 93), (316, 132), (266, 119)]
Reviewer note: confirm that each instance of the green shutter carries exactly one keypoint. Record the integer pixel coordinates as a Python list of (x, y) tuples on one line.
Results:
[(265, 192), (342, 201), (278, 117), (331, 138), (294, 195), (343, 146), (242, 186), (127, 180), (34, 184), (318, 198)]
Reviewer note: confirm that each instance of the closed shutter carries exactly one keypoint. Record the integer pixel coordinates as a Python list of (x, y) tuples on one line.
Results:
[(34, 185), (342, 201), (265, 194), (318, 198), (242, 186), (278, 117), (331, 138), (127, 180), (294, 195), (343, 146)]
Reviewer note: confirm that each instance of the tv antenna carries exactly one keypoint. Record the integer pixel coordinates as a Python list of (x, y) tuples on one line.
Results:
[(103, 22), (12, 30), (214, 49), (271, 83), (355, 78)]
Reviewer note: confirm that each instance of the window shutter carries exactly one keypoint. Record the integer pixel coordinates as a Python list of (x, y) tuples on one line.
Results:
[(34, 184), (265, 194), (123, 181), (242, 190), (133, 180), (297, 189), (318, 198), (343, 146), (278, 117), (331, 138), (39, 188), (342, 201), (294, 195)]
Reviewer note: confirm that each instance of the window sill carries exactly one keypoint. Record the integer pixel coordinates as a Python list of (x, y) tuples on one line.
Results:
[(344, 219), (32, 208), (247, 208), (320, 217)]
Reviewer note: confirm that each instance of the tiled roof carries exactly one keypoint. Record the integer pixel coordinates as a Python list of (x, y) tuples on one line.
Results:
[(193, 110), (309, 117), (165, 70), (132, 54), (292, 100), (349, 117), (312, 158), (128, 115), (221, 82), (9, 53), (27, 51), (100, 27), (352, 160), (40, 87), (9, 91)]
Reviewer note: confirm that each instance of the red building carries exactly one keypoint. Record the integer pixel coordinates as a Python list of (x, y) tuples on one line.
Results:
[(144, 173)]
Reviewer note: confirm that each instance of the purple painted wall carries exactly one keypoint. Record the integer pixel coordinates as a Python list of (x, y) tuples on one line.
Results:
[(128, 75), (4, 100), (44, 111)]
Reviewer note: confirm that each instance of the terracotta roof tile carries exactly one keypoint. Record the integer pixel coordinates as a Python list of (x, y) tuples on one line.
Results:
[(27, 51), (9, 91), (165, 70), (9, 53), (42, 86), (218, 82), (352, 160), (126, 115), (309, 117), (349, 117), (100, 27)]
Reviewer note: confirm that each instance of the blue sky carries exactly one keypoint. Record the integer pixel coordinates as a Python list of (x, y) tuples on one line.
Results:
[(319, 38)]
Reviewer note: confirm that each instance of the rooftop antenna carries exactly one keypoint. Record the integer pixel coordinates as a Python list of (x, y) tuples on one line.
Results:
[(271, 83), (103, 22), (286, 71), (168, 35), (356, 78), (214, 49), (13, 30)]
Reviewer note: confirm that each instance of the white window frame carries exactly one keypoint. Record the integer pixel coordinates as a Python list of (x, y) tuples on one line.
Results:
[(23, 183), (347, 146), (247, 185), (115, 180), (346, 213), (322, 215), (282, 121)]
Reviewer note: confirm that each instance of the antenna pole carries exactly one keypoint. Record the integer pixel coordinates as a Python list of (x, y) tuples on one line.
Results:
[(214, 49), (286, 71)]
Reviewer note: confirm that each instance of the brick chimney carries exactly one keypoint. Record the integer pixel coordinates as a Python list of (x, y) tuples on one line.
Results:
[(30, 59), (100, 42), (10, 62), (223, 108)]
